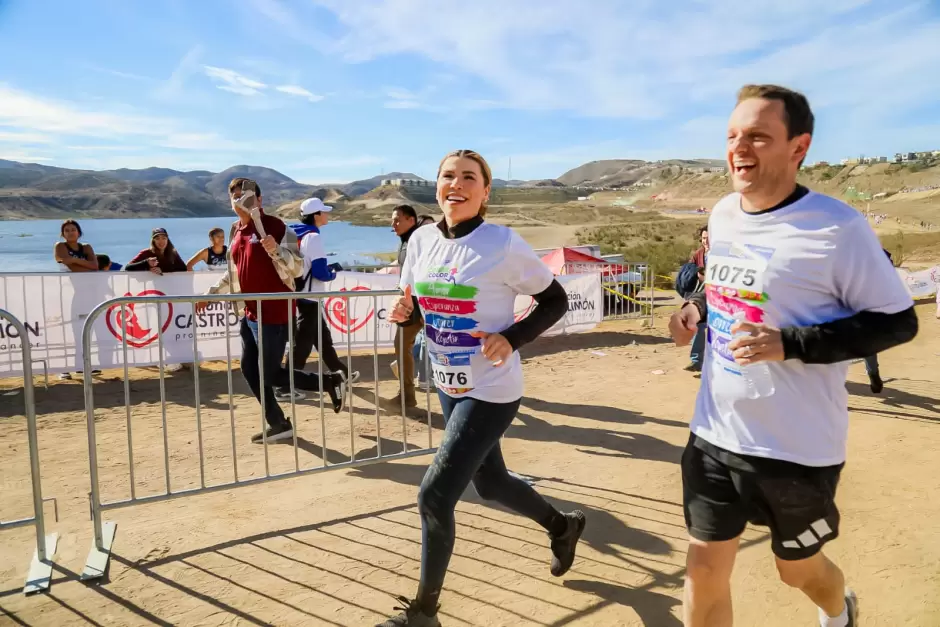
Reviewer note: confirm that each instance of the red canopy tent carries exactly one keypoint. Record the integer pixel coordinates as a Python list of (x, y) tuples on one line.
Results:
[(571, 261)]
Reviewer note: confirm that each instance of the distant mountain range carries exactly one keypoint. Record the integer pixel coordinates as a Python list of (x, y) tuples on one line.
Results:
[(29, 190)]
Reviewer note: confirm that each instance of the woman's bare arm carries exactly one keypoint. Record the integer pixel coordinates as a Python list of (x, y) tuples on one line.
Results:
[(202, 255)]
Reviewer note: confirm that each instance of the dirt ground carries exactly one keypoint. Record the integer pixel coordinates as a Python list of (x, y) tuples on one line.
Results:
[(597, 430)]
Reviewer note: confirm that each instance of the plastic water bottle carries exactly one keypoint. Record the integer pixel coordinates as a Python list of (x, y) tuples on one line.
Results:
[(757, 376)]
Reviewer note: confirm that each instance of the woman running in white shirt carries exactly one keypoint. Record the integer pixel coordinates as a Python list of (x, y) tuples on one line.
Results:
[(462, 275)]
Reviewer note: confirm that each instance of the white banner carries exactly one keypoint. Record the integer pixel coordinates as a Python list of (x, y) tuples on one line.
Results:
[(54, 308), (923, 283), (585, 304)]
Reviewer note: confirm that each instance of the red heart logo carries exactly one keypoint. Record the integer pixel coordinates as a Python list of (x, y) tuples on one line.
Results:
[(337, 314), (127, 326)]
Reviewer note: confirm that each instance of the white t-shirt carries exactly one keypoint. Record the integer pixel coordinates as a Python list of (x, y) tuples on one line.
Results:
[(470, 284), (311, 247), (814, 261)]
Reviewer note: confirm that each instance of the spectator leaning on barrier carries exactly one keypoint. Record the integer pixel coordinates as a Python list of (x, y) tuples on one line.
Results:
[(74, 257), (72, 254), (264, 258), (215, 255), (160, 258), (106, 265)]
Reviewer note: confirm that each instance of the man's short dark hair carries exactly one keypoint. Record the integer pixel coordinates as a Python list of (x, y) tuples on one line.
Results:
[(104, 262), (237, 184), (798, 116), (408, 211)]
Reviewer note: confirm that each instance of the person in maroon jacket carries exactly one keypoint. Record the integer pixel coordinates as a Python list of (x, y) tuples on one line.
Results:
[(251, 270), (159, 258)]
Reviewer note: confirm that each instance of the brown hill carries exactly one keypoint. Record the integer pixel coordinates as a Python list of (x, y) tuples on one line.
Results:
[(617, 173)]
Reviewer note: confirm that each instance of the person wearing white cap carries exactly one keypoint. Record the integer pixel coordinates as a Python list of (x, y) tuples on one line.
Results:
[(316, 274)]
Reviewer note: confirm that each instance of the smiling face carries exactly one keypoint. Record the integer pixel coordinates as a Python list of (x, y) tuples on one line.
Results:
[(160, 242), (705, 243), (461, 189), (762, 159)]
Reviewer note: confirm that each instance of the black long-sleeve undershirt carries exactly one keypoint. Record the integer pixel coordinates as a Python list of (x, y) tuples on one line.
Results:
[(860, 335), (551, 306)]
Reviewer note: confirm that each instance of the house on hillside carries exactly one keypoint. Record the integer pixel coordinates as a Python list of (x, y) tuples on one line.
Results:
[(408, 183)]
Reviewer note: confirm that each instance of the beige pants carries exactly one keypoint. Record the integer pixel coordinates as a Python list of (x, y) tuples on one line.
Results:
[(406, 359)]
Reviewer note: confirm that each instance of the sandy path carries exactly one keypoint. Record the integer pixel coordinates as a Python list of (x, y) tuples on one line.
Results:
[(596, 429)]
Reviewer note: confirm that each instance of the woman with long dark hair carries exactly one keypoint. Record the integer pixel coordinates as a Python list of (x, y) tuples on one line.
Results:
[(71, 253), (159, 258), (461, 278)]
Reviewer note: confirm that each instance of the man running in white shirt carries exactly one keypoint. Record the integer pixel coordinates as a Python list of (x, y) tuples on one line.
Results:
[(797, 285)]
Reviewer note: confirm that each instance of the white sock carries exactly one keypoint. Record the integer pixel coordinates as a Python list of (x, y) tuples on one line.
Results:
[(842, 620)]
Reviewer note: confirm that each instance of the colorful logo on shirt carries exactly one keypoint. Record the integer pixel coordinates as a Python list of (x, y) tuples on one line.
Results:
[(447, 305), (734, 288), (124, 323), (338, 316), (443, 273)]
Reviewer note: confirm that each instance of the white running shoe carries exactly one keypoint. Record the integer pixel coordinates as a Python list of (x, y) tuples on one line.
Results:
[(284, 395)]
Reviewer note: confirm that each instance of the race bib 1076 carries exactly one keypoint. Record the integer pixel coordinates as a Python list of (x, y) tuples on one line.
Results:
[(452, 371)]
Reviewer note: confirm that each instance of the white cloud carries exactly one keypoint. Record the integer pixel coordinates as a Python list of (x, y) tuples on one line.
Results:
[(63, 128), (118, 73), (297, 90), (22, 110), (230, 80), (16, 137), (24, 157), (611, 58), (173, 87)]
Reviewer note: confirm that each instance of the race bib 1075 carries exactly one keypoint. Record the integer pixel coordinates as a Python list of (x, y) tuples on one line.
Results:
[(735, 273)]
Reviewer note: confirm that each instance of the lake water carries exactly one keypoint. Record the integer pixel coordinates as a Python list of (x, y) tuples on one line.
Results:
[(26, 246)]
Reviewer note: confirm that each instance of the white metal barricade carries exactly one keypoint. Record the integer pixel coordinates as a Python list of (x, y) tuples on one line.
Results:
[(40, 568), (104, 532), (628, 287)]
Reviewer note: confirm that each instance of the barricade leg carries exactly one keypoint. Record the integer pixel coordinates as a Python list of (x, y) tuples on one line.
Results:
[(39, 575), (97, 563)]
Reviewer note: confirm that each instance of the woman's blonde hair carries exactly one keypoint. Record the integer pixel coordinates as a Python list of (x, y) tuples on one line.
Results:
[(484, 168)]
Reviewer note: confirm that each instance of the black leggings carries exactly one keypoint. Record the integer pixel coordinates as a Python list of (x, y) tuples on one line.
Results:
[(312, 327), (468, 452)]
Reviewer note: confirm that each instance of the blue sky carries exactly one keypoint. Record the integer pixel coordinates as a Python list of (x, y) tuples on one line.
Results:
[(335, 90)]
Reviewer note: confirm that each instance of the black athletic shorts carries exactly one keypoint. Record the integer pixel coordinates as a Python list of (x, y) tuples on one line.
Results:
[(723, 491)]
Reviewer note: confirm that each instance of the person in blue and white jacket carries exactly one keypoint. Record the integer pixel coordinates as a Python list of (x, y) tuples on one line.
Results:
[(316, 274)]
